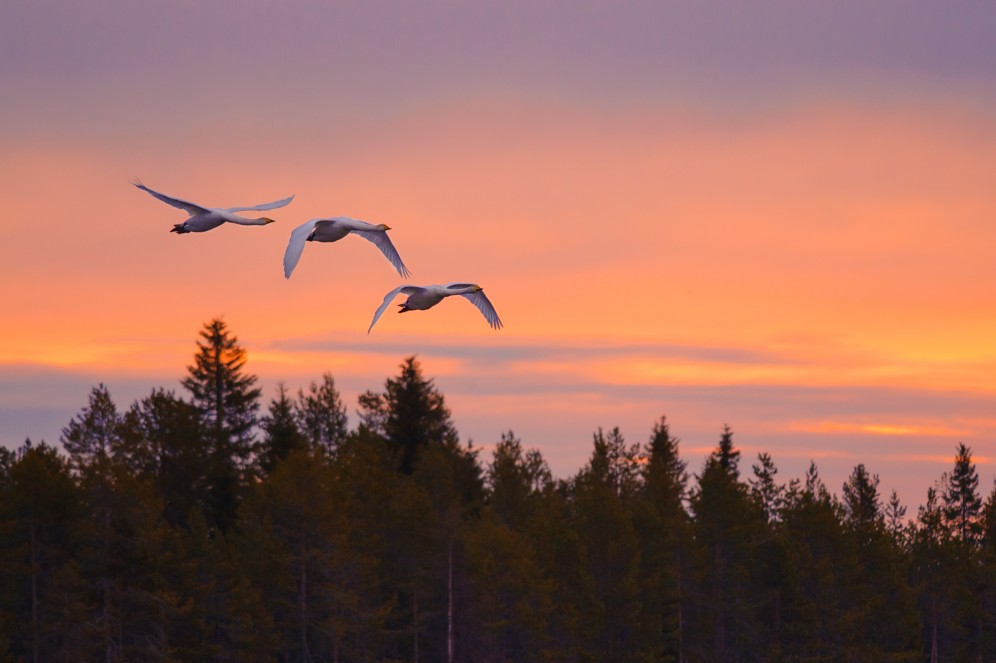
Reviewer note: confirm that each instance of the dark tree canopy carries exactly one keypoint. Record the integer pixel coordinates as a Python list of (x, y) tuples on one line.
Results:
[(227, 398), (173, 530), (322, 416), (223, 391), (411, 414)]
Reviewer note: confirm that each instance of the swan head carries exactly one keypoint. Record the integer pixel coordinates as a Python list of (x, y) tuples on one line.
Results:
[(266, 220), (384, 227)]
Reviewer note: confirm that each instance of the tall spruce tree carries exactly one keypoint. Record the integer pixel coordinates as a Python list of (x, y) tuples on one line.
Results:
[(603, 493), (726, 526), (962, 504), (663, 529), (228, 399)]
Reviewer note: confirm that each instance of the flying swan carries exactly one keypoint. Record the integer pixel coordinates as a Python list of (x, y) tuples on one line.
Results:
[(425, 297), (334, 229), (203, 219)]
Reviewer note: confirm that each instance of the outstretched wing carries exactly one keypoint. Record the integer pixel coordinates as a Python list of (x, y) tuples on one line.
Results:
[(383, 242), (404, 289), (484, 305), (265, 206), (189, 208), (298, 238)]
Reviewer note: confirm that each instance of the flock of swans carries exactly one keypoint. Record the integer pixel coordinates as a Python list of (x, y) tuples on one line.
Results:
[(420, 297)]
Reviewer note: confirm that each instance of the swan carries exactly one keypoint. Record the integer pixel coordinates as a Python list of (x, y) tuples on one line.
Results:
[(334, 229), (203, 219), (422, 297)]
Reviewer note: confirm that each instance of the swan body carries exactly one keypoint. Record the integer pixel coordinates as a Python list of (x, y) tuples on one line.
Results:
[(203, 219), (334, 229), (425, 297)]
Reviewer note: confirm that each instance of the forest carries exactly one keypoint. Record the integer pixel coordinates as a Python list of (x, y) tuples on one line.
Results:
[(211, 526)]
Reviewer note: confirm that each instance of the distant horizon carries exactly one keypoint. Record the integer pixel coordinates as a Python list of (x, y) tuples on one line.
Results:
[(834, 468)]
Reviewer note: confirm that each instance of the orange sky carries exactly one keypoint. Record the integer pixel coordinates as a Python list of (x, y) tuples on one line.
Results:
[(814, 269)]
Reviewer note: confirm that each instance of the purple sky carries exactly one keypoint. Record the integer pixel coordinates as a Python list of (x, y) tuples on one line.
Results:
[(699, 134)]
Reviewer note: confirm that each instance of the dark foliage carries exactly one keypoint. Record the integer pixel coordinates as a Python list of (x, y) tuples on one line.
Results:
[(181, 530)]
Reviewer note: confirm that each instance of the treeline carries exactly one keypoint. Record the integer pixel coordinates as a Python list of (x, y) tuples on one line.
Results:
[(196, 529)]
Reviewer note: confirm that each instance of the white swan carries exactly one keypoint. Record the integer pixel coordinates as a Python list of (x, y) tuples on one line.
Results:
[(334, 229), (203, 219), (425, 297)]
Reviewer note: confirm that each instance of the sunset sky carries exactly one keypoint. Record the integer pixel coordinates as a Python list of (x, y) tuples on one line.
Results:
[(779, 216)]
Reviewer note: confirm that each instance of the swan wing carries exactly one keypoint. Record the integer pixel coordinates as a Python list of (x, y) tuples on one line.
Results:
[(189, 208), (383, 242), (298, 238), (401, 289), (484, 305), (265, 206)]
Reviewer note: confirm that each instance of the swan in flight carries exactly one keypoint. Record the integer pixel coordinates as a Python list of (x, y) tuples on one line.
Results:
[(424, 297), (203, 219), (334, 229)]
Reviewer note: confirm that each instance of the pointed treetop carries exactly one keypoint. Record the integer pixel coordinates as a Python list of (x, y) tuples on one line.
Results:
[(727, 457)]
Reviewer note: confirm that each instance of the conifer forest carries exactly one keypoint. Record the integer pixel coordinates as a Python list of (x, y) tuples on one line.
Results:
[(215, 524)]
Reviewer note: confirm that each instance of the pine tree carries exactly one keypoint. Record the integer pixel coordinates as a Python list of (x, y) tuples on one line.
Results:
[(603, 493), (764, 489), (174, 452), (962, 504), (725, 455), (411, 414), (223, 391), (95, 434), (861, 500), (895, 514), (515, 479), (663, 529), (322, 416), (726, 525), (282, 435), (39, 511), (228, 400)]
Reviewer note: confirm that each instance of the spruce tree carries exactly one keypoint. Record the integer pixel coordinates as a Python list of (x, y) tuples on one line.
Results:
[(411, 414), (962, 504), (228, 399), (176, 454), (282, 435), (95, 434), (764, 489), (663, 529), (861, 499), (322, 416)]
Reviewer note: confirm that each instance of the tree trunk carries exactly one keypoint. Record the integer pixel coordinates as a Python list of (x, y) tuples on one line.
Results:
[(449, 603), (415, 627), (681, 613), (933, 631), (303, 601), (34, 595), (719, 625)]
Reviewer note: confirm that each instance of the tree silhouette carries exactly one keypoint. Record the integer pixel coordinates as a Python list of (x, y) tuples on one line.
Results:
[(282, 435), (962, 504), (322, 416), (411, 414), (227, 398)]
